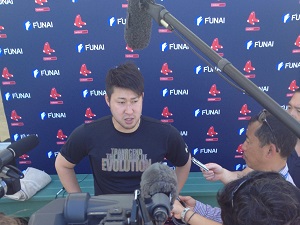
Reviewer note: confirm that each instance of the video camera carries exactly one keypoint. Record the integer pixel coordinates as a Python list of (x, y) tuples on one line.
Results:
[(111, 209)]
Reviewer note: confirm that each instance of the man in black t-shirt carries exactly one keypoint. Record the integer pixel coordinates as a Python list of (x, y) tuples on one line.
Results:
[(121, 146)]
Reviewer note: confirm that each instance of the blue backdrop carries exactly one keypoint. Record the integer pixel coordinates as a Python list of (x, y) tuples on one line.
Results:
[(54, 56)]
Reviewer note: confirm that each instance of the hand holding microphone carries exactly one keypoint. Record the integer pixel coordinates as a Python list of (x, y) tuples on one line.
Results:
[(181, 206), (187, 201), (177, 209), (215, 173)]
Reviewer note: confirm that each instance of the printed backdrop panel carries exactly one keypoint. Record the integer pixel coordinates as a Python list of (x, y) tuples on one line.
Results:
[(54, 56)]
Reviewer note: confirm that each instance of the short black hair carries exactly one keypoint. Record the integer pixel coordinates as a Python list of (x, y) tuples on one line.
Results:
[(262, 198), (126, 76), (279, 134)]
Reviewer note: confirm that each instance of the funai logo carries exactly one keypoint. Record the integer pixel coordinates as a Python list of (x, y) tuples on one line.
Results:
[(198, 69), (52, 115), (173, 46), (289, 18), (11, 51), (264, 88), (209, 20), (45, 73), (17, 136), (51, 154), (259, 44), (206, 150), (240, 166), (37, 25), (112, 21), (6, 2), (166, 92), (9, 96), (205, 69), (209, 150), (89, 47), (288, 65), (93, 93), (242, 131), (207, 112)]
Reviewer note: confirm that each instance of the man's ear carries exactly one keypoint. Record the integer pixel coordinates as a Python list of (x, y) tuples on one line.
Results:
[(106, 100), (272, 150)]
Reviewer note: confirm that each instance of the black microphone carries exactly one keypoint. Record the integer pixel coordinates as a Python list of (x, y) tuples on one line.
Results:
[(138, 25), (159, 183), (17, 149)]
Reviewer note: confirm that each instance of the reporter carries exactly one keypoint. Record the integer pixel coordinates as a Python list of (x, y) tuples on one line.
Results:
[(266, 148), (260, 198)]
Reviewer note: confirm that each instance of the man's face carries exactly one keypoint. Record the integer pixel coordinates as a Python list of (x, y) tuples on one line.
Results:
[(294, 106), (126, 109), (254, 154)]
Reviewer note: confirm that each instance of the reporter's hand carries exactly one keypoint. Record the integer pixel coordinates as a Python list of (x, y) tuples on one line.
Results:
[(177, 209), (216, 172), (188, 201)]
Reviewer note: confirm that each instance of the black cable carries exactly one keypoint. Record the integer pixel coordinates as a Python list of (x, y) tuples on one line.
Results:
[(63, 189)]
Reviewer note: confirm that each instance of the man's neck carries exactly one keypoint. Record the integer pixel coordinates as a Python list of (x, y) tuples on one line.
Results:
[(276, 165)]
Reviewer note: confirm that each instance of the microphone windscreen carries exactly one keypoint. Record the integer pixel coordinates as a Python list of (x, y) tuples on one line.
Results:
[(24, 145), (159, 178), (138, 26)]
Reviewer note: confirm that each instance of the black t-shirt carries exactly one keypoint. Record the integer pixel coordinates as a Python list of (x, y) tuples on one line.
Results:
[(119, 159)]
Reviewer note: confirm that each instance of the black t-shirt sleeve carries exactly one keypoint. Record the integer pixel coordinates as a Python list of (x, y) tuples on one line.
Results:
[(76, 147), (177, 150)]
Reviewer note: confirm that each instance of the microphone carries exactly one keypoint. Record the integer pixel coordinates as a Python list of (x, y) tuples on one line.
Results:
[(138, 25), (17, 149), (159, 186)]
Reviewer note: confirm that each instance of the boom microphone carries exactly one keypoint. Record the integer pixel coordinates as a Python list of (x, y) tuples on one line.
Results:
[(138, 25), (17, 149), (159, 183)]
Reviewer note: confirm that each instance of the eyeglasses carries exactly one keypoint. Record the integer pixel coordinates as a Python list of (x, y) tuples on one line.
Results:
[(237, 188), (262, 118)]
